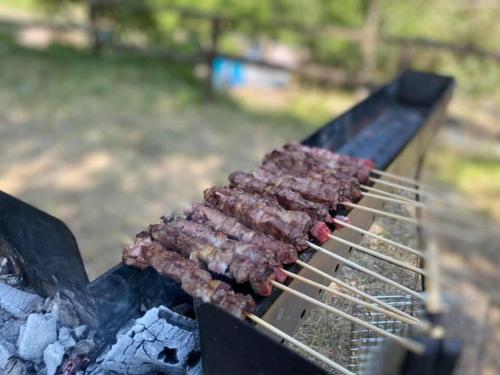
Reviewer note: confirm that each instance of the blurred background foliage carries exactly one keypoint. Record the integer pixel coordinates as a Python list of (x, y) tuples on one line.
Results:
[(464, 22)]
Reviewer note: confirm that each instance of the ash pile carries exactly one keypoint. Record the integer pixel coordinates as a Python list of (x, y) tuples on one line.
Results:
[(47, 336)]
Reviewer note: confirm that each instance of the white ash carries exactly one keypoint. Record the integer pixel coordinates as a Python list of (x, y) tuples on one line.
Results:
[(40, 336), (53, 356), (16, 302), (160, 341), (7, 350), (36, 334), (65, 337)]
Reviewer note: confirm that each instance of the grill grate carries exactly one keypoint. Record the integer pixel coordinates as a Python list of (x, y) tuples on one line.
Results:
[(365, 341)]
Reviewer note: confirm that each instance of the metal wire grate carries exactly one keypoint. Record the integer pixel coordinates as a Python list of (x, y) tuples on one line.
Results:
[(364, 341)]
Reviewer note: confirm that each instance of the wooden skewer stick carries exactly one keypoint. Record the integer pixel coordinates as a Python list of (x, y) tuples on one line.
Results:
[(398, 186), (300, 345), (383, 192), (380, 238), (411, 345), (380, 212), (400, 178), (399, 201), (423, 326), (375, 254), (356, 266), (355, 290), (437, 202)]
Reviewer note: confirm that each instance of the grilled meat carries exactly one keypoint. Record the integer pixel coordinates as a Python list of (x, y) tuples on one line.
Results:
[(289, 199), (145, 252), (283, 253), (223, 261), (359, 168), (263, 259), (262, 215), (310, 174), (312, 190)]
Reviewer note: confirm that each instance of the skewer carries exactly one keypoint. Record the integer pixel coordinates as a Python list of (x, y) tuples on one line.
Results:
[(383, 192), (409, 344), (400, 178), (354, 290), (380, 212), (397, 186), (380, 238), (378, 255), (389, 199), (436, 202), (299, 344), (424, 326), (356, 266)]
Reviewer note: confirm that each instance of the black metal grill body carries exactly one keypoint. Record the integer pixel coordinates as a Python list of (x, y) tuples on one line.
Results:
[(393, 127)]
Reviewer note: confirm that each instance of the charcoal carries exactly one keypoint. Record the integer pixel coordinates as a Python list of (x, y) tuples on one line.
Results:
[(16, 366), (9, 327), (65, 338), (7, 350), (5, 268), (80, 331), (39, 331), (17, 302), (84, 347), (53, 356), (160, 341)]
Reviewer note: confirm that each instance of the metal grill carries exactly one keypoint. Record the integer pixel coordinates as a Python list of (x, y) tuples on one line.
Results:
[(364, 342)]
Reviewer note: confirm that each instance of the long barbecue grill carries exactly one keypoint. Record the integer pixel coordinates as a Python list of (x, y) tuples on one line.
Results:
[(392, 127)]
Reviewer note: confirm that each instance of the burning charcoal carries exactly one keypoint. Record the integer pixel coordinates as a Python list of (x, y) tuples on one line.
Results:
[(53, 356), (160, 341), (17, 302), (39, 331)]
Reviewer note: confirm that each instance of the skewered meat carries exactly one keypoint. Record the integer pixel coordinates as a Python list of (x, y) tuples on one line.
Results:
[(312, 190), (359, 168), (302, 165), (219, 260), (258, 214), (263, 260), (284, 253), (196, 282), (287, 198)]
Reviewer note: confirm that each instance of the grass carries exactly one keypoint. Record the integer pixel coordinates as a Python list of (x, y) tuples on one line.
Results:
[(109, 145)]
